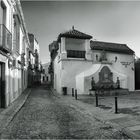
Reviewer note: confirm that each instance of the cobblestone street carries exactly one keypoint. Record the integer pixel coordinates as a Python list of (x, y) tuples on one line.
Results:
[(45, 115)]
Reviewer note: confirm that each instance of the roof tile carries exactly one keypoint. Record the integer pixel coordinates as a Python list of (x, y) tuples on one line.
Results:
[(113, 47), (74, 34)]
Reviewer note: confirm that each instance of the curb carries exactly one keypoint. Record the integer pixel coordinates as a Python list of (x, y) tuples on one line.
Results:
[(6, 117), (130, 134)]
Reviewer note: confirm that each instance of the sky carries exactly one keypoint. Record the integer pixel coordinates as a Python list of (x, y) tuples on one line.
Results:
[(109, 21)]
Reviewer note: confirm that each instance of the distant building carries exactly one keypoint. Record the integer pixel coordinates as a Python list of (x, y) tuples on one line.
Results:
[(34, 71), (46, 71), (75, 59)]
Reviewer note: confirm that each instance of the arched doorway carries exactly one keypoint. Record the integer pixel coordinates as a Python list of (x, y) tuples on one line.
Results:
[(105, 75)]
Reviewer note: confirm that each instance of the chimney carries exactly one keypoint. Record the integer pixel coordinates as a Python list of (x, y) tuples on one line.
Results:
[(72, 27)]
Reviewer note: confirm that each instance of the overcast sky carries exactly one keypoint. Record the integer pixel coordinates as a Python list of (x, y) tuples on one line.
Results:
[(107, 21)]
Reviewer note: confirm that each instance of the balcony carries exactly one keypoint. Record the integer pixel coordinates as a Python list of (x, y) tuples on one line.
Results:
[(75, 54), (5, 39)]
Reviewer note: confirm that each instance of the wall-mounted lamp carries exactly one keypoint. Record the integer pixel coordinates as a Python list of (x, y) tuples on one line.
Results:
[(132, 69), (116, 58)]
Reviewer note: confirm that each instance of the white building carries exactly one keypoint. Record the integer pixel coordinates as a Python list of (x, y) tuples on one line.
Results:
[(76, 59), (14, 44), (34, 72), (34, 48)]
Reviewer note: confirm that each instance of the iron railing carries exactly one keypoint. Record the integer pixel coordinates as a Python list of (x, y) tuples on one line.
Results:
[(75, 54), (5, 39)]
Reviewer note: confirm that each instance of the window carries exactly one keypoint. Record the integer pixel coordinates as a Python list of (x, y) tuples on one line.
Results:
[(75, 54)]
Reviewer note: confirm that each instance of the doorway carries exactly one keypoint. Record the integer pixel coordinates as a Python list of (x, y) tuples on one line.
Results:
[(2, 86), (137, 75), (22, 79)]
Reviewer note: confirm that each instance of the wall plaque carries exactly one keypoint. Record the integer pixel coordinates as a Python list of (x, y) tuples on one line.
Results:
[(126, 63)]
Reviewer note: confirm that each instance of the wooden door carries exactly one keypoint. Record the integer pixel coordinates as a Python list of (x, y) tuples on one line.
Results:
[(2, 85), (0, 82)]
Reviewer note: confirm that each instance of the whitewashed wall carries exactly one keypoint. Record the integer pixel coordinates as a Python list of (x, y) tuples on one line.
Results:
[(77, 73), (12, 75), (57, 75), (9, 7), (125, 74), (117, 66), (65, 72)]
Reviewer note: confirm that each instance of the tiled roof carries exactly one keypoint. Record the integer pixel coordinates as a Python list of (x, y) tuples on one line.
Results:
[(74, 34), (113, 47)]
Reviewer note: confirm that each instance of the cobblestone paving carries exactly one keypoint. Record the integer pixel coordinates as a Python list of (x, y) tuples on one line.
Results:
[(45, 116), (127, 104)]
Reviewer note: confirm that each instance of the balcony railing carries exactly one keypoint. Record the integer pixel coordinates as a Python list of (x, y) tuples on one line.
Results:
[(5, 39), (75, 54)]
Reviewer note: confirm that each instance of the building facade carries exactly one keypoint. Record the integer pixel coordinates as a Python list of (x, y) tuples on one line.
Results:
[(14, 44), (34, 68), (75, 59)]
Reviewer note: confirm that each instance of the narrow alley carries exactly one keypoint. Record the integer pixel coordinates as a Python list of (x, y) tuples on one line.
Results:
[(45, 115)]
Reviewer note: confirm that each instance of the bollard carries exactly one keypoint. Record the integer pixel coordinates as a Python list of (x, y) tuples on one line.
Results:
[(76, 94), (96, 99), (116, 105), (72, 92)]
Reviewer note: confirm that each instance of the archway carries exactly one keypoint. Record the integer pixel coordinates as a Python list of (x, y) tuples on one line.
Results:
[(105, 75)]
